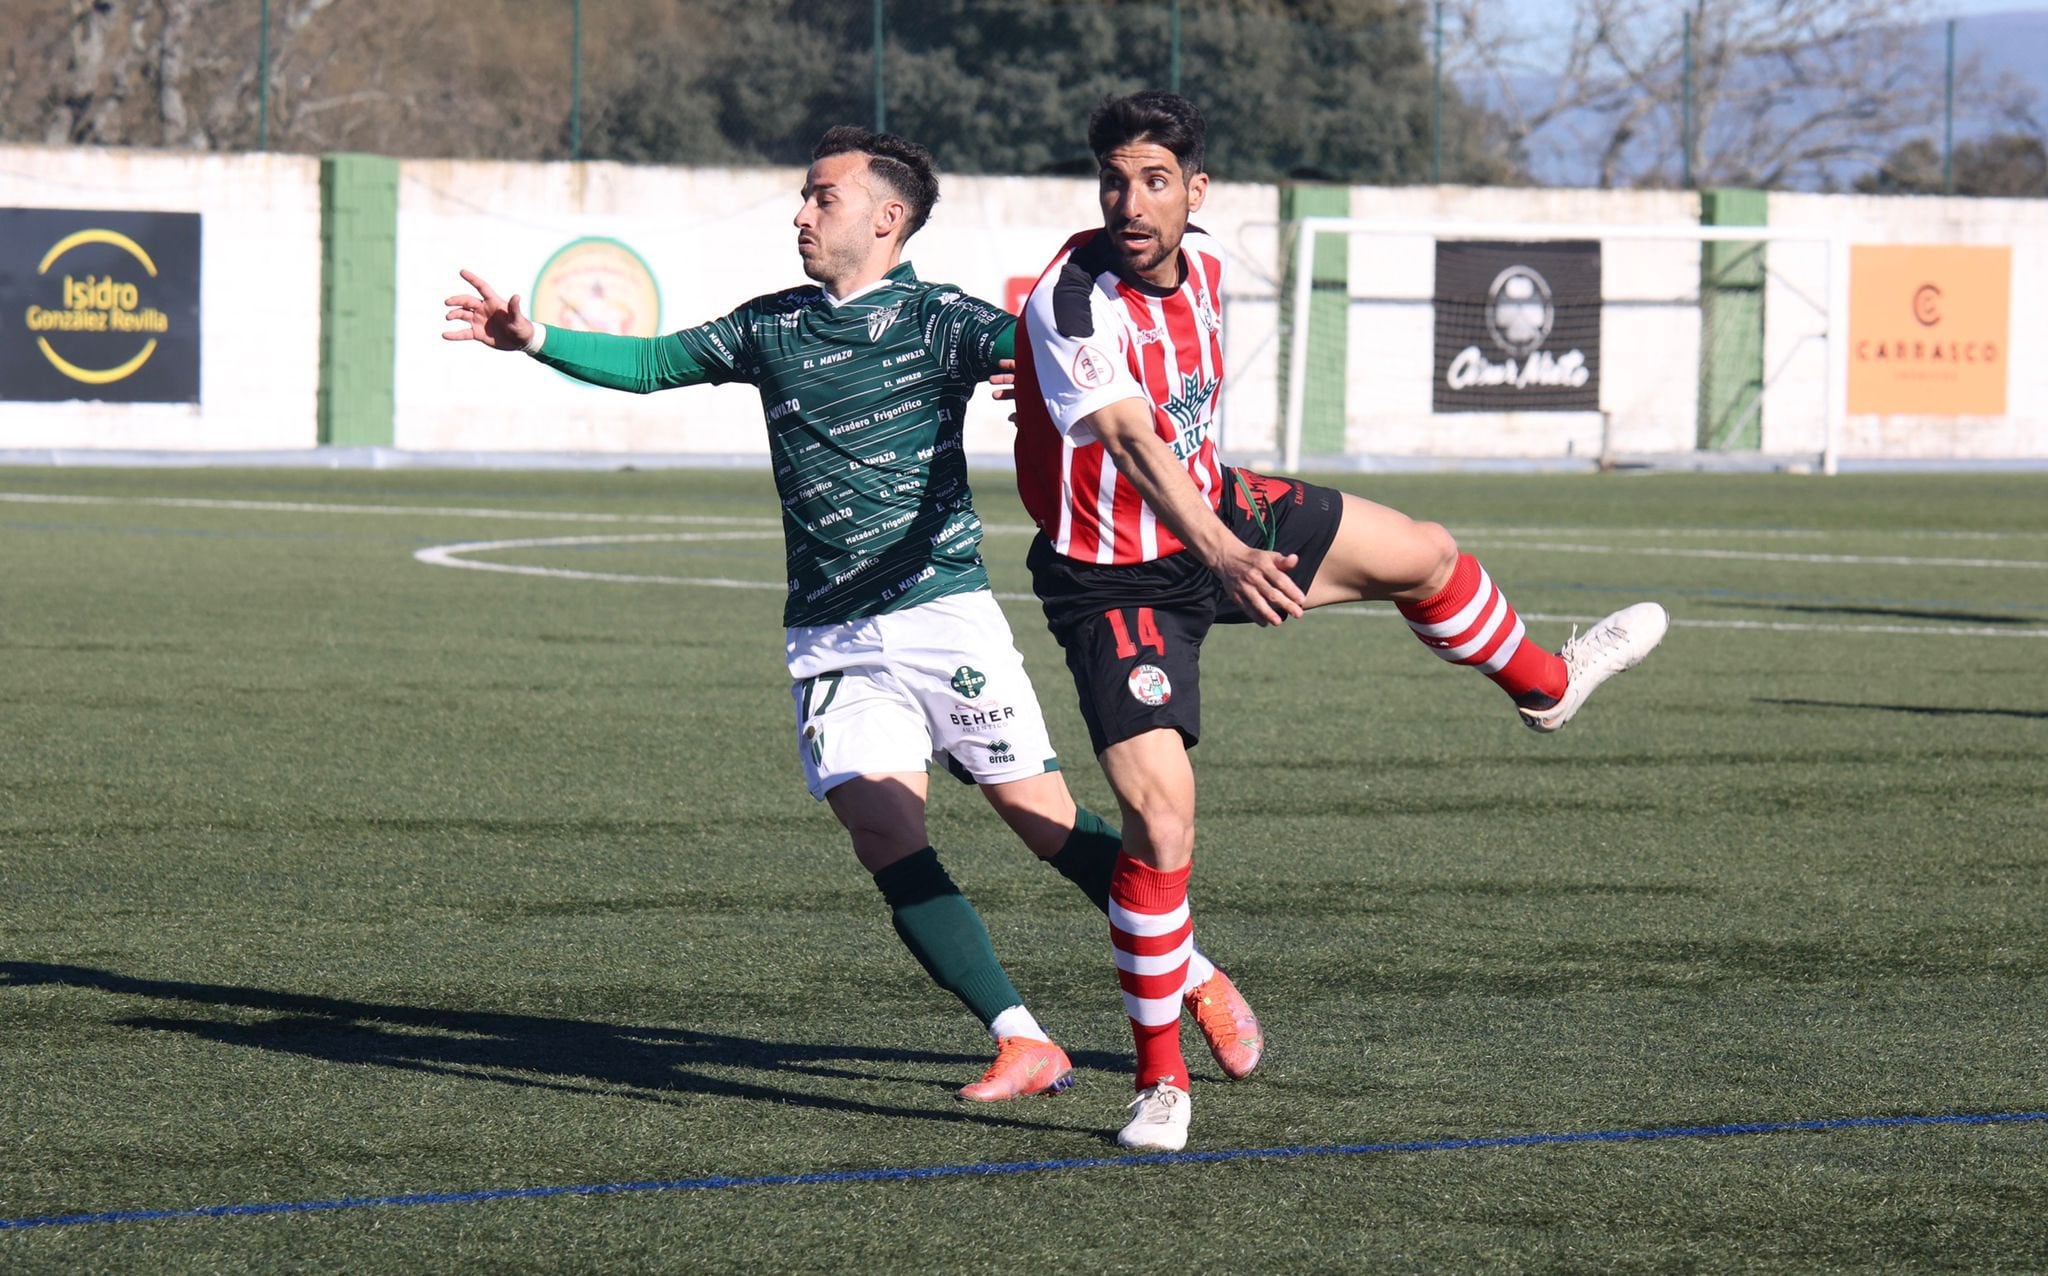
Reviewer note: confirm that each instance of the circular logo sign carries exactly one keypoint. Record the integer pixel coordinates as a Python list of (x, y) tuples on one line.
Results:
[(100, 303), (1518, 310), (1150, 685), (598, 285)]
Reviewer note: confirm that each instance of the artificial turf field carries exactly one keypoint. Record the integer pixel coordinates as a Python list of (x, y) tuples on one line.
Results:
[(381, 892)]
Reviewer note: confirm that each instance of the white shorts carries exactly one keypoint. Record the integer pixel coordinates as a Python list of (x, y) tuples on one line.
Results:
[(888, 693)]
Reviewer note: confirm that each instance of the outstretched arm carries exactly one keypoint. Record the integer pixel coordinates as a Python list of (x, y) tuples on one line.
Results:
[(487, 317), (1256, 579), (637, 364)]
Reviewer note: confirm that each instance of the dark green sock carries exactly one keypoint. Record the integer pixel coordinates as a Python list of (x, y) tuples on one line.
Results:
[(1089, 856), (945, 934)]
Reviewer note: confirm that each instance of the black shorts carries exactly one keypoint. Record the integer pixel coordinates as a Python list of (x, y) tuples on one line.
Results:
[(1133, 634)]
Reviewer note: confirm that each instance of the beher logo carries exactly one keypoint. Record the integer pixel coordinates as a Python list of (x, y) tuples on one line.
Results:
[(969, 681), (99, 304), (1928, 329)]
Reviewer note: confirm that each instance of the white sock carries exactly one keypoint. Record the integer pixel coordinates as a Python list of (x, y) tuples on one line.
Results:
[(1199, 970), (1016, 1022)]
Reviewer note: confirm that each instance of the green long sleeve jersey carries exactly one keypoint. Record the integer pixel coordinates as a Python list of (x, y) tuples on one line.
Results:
[(864, 402)]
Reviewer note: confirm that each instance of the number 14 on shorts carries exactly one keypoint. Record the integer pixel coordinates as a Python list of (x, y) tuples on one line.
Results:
[(1147, 629)]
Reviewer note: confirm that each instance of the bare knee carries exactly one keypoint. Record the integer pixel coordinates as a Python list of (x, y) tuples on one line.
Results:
[(1435, 557), (1163, 834)]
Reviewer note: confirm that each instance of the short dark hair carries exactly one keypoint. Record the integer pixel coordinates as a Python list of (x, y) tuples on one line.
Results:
[(1164, 119), (904, 166)]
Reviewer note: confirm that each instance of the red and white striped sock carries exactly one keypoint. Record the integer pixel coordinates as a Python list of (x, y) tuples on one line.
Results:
[(1469, 622), (1153, 934)]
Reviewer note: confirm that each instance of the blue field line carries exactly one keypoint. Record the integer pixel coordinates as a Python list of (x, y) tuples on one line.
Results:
[(991, 1169)]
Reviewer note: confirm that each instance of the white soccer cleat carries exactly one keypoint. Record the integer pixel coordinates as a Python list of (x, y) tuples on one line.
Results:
[(1616, 643), (1159, 1121)]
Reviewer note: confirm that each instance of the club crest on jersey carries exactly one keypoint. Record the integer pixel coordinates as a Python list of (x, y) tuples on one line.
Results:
[(1207, 316), (879, 321), (1194, 395), (1092, 368), (968, 681), (1150, 685)]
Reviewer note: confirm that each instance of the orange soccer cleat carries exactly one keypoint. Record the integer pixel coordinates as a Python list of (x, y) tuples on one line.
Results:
[(1023, 1066), (1227, 1024)]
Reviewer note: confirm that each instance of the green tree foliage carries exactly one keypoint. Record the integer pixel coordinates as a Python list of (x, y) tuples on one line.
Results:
[(2010, 165), (1337, 90)]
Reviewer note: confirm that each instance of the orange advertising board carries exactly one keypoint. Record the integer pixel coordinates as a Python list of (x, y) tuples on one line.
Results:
[(1928, 327)]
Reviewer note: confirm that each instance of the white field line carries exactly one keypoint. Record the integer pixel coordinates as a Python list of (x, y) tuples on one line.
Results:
[(1772, 556), (451, 555), (1370, 611), (432, 511)]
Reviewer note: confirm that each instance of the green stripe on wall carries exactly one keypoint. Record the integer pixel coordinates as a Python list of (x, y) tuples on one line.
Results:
[(358, 298), (1732, 325), (1329, 317)]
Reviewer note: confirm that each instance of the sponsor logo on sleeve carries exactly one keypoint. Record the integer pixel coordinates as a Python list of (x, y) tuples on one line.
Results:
[(1092, 368)]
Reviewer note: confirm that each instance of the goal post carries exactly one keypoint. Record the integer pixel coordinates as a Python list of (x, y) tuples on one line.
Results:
[(1588, 342)]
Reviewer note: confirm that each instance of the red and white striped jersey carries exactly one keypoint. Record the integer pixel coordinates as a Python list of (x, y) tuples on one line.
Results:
[(1091, 338)]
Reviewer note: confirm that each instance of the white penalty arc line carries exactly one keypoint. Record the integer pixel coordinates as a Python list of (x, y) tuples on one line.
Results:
[(451, 556)]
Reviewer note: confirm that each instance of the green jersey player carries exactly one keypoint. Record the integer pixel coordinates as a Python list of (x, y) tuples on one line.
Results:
[(897, 651)]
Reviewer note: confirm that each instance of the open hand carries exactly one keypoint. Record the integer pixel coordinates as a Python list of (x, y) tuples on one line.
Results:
[(487, 317)]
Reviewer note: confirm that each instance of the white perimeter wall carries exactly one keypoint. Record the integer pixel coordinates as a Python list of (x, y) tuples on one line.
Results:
[(259, 296), (714, 238), (1650, 338), (1649, 330), (1874, 219)]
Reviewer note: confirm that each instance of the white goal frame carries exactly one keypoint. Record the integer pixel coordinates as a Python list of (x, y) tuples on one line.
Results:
[(1306, 233)]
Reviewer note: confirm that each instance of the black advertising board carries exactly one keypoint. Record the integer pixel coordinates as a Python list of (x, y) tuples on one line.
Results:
[(99, 305), (1517, 326)]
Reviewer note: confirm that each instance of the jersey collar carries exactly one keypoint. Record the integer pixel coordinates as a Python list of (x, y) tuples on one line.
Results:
[(900, 273)]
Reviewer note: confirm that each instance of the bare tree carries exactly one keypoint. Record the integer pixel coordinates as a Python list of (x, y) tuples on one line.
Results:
[(1766, 93), (490, 78)]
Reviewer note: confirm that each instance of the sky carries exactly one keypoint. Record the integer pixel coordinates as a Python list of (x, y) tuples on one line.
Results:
[(1966, 8)]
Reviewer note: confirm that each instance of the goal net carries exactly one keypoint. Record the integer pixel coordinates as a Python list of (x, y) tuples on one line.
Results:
[(1614, 345)]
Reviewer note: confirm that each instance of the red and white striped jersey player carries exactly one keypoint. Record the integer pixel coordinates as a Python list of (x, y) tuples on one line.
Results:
[(1147, 538)]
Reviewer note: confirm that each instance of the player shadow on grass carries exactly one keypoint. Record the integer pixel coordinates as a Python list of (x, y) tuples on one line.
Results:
[(1922, 710), (1947, 615), (579, 1056)]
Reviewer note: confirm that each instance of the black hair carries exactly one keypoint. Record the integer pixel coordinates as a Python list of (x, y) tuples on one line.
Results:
[(904, 167), (1164, 119)]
